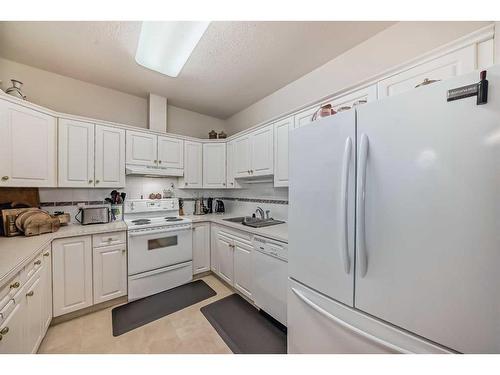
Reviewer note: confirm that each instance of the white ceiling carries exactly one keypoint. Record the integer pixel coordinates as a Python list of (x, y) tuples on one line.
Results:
[(234, 65)]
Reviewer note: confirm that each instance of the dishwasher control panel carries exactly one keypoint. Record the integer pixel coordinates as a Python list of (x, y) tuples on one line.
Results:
[(270, 247)]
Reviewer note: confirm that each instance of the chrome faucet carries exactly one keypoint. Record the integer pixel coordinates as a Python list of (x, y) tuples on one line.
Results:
[(261, 212)]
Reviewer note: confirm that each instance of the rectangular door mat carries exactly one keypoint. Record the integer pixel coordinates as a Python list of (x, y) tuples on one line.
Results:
[(243, 328), (145, 310)]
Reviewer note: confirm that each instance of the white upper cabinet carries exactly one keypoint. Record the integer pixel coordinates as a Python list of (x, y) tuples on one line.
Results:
[(27, 147), (304, 117), (214, 165), (450, 65), (281, 131), (109, 157), (141, 148), (170, 152), (76, 153), (262, 163), (193, 165), (242, 156), (231, 183)]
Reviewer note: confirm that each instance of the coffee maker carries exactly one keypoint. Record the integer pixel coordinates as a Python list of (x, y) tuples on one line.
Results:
[(219, 206)]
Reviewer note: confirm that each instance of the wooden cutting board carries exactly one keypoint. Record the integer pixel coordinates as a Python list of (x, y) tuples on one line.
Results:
[(29, 196)]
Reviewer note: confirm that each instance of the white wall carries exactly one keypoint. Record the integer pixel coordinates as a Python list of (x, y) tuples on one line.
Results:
[(387, 49), (72, 96)]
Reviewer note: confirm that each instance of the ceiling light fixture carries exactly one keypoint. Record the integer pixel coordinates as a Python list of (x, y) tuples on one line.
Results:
[(166, 46)]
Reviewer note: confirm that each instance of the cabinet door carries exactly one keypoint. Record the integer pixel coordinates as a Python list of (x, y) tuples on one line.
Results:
[(214, 165), (27, 147), (72, 274), (225, 258), (201, 248), (12, 340), (141, 148), (109, 156), (304, 117), (46, 289), (262, 152), (450, 65), (281, 130), (33, 327), (243, 269), (109, 272), (214, 258), (242, 156), (76, 154), (193, 165), (170, 152), (230, 166)]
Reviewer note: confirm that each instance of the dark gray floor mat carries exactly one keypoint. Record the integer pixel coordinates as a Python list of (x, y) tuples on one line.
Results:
[(243, 328), (145, 310)]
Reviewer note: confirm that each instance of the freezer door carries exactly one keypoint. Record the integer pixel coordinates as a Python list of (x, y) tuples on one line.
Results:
[(319, 325), (321, 211), (428, 228)]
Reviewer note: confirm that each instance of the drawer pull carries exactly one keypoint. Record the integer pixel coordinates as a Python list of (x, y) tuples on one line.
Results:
[(15, 285), (5, 178), (46, 254), (110, 239), (38, 262), (30, 294), (4, 330)]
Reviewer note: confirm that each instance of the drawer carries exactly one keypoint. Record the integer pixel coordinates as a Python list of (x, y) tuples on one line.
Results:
[(8, 290), (235, 234), (106, 239), (32, 267)]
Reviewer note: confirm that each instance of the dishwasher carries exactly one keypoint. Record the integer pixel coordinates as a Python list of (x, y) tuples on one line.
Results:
[(271, 277)]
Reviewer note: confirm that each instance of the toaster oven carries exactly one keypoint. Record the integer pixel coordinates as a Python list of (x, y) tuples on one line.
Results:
[(93, 215)]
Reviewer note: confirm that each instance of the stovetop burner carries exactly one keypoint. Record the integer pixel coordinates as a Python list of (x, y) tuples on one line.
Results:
[(173, 218), (141, 221)]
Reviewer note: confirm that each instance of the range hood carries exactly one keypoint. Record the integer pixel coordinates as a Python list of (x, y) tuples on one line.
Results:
[(152, 171)]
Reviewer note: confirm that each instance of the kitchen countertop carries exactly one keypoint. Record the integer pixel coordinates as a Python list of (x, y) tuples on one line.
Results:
[(278, 232), (16, 251)]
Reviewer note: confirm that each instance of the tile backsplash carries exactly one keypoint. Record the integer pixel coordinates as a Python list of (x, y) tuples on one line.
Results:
[(237, 201)]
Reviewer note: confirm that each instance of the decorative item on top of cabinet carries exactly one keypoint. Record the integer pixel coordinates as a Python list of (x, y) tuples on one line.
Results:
[(15, 89), (222, 135), (323, 111), (212, 134)]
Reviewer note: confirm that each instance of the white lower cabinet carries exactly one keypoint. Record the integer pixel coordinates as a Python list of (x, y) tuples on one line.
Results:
[(232, 259), (109, 272), (84, 275), (225, 258), (201, 247), (26, 307), (243, 268), (33, 323), (72, 274)]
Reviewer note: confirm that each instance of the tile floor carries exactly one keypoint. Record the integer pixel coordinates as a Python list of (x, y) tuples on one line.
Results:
[(185, 331)]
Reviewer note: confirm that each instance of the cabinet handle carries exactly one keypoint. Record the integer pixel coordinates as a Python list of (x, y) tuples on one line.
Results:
[(37, 262), (110, 239), (156, 161), (30, 294), (46, 254), (123, 251), (223, 184), (5, 178), (15, 285), (90, 181), (4, 330), (159, 161), (186, 183), (248, 171), (232, 183), (96, 181), (426, 82)]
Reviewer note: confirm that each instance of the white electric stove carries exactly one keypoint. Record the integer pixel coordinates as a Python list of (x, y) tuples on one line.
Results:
[(160, 249)]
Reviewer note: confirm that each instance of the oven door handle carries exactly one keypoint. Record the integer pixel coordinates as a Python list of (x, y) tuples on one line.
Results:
[(159, 231)]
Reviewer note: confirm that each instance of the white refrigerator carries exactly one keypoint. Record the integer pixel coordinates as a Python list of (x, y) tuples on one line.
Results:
[(394, 222)]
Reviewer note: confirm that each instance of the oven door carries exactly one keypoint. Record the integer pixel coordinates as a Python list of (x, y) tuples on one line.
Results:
[(158, 248)]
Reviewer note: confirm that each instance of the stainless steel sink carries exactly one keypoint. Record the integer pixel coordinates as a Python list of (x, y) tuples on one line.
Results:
[(253, 221)]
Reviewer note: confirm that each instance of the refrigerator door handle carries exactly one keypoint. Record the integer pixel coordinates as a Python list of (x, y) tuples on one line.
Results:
[(360, 206), (344, 243), (346, 325)]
